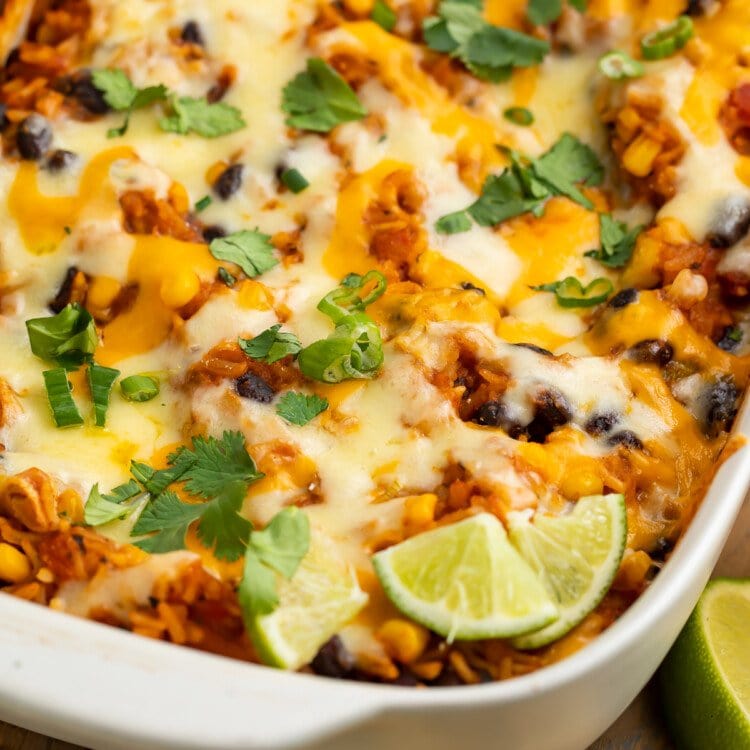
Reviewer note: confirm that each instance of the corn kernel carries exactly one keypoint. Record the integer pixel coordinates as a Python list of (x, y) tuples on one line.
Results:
[(403, 641), (14, 565), (359, 7), (419, 510), (102, 292), (688, 288), (640, 155), (176, 291), (580, 484)]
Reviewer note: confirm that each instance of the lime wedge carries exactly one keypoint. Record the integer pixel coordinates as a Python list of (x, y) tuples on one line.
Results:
[(465, 581), (576, 556), (705, 679), (322, 596)]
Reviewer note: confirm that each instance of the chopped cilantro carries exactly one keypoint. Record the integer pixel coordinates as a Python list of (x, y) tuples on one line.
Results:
[(101, 509), (528, 183), (617, 242), (252, 251), (209, 120), (454, 223), (319, 99), (300, 408), (120, 93), (277, 549), (170, 518), (271, 346), (213, 463), (383, 15), (489, 52)]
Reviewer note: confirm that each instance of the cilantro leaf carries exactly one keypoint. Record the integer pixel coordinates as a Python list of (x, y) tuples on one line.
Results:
[(616, 240), (528, 183), (101, 509), (300, 408), (252, 251), (319, 99), (202, 117), (120, 93), (156, 481), (118, 90), (488, 51), (212, 464), (542, 12), (567, 162), (503, 197), (278, 549), (271, 346), (221, 527), (170, 518)]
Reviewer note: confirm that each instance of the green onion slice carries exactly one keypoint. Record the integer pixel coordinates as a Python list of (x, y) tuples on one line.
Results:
[(618, 65), (226, 277), (571, 293), (64, 409), (662, 43), (383, 15), (101, 380), (294, 180), (68, 339), (519, 116), (347, 298), (203, 203), (353, 351), (139, 387)]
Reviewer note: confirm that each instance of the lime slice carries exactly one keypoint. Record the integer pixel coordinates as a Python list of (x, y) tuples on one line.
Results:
[(465, 581), (705, 680), (322, 596), (576, 556)]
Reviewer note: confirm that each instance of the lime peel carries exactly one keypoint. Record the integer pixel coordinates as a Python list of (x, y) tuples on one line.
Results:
[(576, 556)]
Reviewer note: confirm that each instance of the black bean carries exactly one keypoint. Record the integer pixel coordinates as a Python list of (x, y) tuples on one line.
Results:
[(490, 414), (535, 348), (627, 438), (3, 117), (254, 387), (599, 424), (721, 404), (60, 159), (468, 286), (229, 181), (655, 351), (662, 547), (731, 223), (82, 89), (63, 293), (405, 679), (623, 298), (333, 659), (33, 137), (698, 7), (731, 338), (191, 33), (213, 232), (447, 678), (552, 411)]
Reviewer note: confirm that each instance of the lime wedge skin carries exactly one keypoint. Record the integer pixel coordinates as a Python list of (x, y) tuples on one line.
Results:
[(321, 598), (705, 679), (576, 556), (465, 582)]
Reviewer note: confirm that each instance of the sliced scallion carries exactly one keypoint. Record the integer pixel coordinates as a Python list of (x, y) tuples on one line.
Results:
[(571, 293), (665, 42), (64, 409), (519, 116), (101, 380), (294, 180), (139, 388), (618, 65)]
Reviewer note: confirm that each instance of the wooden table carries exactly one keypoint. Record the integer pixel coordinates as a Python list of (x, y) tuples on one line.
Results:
[(639, 728)]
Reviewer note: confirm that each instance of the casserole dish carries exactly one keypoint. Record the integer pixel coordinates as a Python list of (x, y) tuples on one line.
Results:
[(402, 349), (86, 683)]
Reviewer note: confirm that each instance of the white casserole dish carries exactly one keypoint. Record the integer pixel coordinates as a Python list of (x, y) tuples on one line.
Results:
[(105, 688)]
